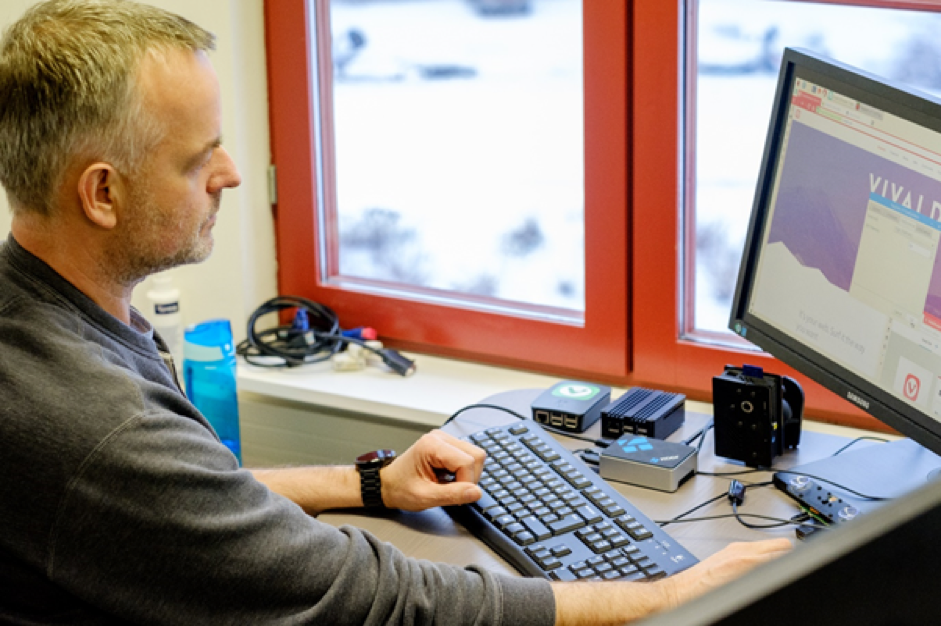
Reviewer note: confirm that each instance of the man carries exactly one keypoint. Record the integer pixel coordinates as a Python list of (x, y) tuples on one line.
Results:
[(118, 503)]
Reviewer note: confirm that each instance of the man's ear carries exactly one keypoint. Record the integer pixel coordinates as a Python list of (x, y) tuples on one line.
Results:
[(101, 191)]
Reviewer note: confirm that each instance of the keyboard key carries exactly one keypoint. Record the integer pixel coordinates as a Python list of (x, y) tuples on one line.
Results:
[(550, 563), (495, 511), (589, 514), (485, 502), (503, 521), (563, 575), (601, 546), (566, 524), (537, 528), (644, 563), (632, 552), (524, 537), (561, 550), (538, 551), (548, 519), (584, 573), (622, 561)]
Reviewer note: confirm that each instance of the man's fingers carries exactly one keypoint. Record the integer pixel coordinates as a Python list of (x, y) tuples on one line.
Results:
[(479, 455), (458, 493), (460, 458)]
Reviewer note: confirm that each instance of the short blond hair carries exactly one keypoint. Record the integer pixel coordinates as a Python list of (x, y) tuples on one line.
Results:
[(68, 90)]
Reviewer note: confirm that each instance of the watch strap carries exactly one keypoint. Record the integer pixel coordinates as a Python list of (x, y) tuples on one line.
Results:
[(371, 487), (370, 481)]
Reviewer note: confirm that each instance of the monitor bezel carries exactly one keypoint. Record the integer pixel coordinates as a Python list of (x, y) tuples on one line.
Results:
[(882, 94)]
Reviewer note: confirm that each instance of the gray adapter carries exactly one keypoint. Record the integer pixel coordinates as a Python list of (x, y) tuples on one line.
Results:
[(650, 463)]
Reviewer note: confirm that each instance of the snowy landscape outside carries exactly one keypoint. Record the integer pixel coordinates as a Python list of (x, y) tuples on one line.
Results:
[(459, 144)]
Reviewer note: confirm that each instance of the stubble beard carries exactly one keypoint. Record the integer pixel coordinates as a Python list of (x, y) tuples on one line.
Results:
[(141, 248)]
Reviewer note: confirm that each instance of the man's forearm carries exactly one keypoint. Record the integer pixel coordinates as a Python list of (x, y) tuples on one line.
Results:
[(315, 489), (602, 603)]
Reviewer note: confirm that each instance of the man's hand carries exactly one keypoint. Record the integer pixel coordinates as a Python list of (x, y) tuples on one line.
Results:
[(411, 482), (615, 603), (723, 566)]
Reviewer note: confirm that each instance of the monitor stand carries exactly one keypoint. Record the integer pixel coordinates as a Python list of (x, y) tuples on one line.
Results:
[(883, 471)]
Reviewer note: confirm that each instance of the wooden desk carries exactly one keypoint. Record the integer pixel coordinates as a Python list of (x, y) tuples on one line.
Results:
[(434, 536)]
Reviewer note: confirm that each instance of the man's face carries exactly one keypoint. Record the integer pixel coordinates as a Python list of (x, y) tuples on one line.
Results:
[(171, 202)]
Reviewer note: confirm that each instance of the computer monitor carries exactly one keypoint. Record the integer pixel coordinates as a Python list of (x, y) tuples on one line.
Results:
[(841, 269), (841, 279)]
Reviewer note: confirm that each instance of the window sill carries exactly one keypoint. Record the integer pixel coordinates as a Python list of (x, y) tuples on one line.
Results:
[(438, 388)]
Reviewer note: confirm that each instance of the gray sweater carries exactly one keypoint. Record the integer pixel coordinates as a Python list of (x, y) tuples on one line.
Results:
[(118, 504)]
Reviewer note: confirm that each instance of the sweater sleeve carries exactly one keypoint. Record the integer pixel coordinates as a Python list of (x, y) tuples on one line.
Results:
[(161, 526)]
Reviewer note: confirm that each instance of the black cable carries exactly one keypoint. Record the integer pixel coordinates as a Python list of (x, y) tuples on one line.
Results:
[(598, 442), (293, 346), (692, 510), (313, 341), (735, 473), (778, 522), (709, 518), (589, 456), (857, 440), (483, 406), (767, 483), (701, 435)]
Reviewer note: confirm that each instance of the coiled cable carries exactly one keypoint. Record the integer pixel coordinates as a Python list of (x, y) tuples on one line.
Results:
[(313, 336)]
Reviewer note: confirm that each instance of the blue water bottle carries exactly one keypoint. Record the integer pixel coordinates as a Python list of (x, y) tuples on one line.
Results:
[(209, 376)]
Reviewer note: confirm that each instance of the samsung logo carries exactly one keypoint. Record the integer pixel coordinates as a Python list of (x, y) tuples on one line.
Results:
[(856, 399)]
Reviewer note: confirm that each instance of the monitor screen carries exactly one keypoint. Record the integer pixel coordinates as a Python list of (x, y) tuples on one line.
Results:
[(841, 271)]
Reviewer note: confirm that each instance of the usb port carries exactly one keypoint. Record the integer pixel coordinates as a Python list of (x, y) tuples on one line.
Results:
[(541, 416), (556, 419), (571, 422)]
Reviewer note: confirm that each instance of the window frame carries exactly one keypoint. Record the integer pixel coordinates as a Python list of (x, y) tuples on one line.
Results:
[(634, 120), (599, 349)]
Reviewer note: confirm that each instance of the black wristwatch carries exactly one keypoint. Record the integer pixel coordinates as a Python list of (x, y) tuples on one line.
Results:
[(369, 465)]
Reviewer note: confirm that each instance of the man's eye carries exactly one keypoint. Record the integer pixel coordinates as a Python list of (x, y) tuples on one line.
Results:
[(203, 162)]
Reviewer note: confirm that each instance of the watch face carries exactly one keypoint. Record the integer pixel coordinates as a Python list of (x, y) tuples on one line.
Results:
[(376, 457)]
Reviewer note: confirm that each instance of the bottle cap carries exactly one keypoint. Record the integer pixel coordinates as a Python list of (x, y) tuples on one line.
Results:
[(208, 341), (162, 278)]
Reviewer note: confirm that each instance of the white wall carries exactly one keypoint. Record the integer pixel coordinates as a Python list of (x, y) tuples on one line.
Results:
[(240, 275)]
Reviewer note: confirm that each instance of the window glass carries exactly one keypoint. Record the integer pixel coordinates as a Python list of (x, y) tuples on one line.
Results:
[(457, 147), (738, 50)]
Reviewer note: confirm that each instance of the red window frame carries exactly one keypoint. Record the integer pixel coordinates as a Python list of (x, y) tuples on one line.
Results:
[(600, 349)]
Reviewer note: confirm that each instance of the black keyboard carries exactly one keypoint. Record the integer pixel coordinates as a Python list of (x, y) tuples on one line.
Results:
[(550, 515)]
